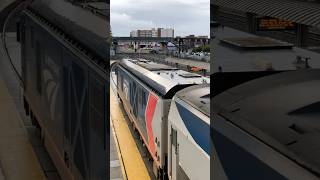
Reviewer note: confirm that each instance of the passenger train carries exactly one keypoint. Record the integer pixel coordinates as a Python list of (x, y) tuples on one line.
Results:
[(170, 109), (265, 107), (65, 64), (268, 128), (189, 130)]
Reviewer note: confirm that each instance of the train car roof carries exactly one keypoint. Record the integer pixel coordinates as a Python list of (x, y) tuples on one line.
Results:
[(282, 110), (198, 97), (88, 29), (237, 51), (165, 80)]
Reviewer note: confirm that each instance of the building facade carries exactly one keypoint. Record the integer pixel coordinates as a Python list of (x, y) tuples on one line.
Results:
[(133, 34), (169, 32), (159, 32), (144, 33)]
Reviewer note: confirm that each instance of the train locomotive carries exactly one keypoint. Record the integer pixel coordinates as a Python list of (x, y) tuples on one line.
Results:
[(65, 63), (265, 106), (189, 129), (268, 128), (150, 95)]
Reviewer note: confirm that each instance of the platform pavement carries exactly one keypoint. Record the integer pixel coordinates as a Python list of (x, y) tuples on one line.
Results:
[(134, 166), (15, 91), (17, 158)]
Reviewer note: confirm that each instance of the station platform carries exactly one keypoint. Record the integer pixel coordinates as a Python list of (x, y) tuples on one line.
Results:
[(22, 152), (17, 157)]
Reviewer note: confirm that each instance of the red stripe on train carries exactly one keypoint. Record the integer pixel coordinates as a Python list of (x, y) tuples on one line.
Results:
[(151, 107)]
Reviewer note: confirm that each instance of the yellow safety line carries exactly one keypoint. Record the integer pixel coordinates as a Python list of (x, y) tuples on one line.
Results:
[(132, 160)]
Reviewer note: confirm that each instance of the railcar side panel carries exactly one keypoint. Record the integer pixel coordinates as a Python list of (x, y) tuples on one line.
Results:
[(69, 101), (188, 134)]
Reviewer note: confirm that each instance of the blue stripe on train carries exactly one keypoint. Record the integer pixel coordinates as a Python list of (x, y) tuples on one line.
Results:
[(199, 130), (239, 164)]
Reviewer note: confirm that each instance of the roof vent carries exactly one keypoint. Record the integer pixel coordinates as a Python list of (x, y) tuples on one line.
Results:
[(189, 75)]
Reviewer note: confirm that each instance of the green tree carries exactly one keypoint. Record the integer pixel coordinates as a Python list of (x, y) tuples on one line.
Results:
[(203, 48)]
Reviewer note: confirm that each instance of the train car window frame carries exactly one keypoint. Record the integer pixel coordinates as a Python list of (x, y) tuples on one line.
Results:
[(174, 139), (133, 97), (141, 104), (125, 86)]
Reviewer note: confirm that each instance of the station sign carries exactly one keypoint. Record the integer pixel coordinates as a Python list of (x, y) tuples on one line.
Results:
[(274, 24)]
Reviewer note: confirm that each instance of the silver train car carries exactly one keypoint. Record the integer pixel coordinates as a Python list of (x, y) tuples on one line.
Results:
[(146, 89), (268, 128), (189, 134)]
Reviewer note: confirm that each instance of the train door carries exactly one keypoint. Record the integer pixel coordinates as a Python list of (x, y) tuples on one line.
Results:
[(174, 153)]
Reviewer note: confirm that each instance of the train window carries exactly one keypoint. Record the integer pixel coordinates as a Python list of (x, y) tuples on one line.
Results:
[(125, 87), (142, 96), (131, 93), (118, 77), (133, 97), (145, 98), (38, 66), (18, 31), (174, 137), (121, 81)]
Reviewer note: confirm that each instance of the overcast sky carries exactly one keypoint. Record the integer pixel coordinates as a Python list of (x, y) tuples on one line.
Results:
[(185, 16)]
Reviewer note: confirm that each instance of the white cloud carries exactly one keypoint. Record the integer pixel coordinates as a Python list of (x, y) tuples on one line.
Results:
[(185, 16)]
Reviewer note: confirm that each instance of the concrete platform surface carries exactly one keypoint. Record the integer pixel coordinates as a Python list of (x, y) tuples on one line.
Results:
[(12, 92), (17, 158)]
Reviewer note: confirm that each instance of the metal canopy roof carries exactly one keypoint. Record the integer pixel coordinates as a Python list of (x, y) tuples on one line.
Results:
[(300, 12), (232, 59), (257, 43)]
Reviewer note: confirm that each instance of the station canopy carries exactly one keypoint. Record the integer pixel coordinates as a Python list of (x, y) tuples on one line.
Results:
[(292, 10)]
